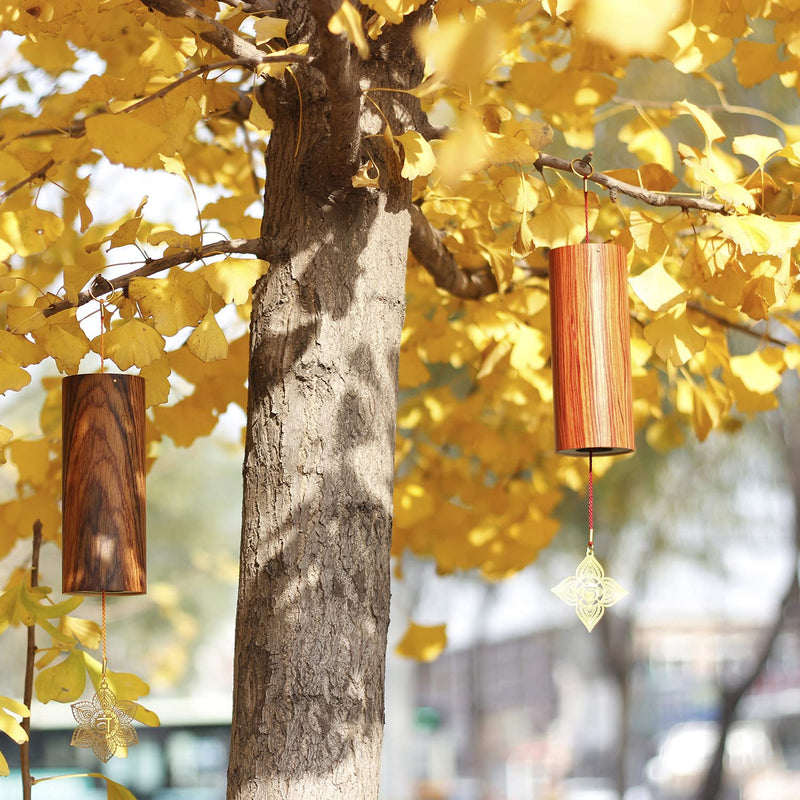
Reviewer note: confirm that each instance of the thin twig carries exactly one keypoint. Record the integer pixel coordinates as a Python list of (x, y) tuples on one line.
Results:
[(34, 176), (24, 748), (255, 247), (736, 326), (658, 199)]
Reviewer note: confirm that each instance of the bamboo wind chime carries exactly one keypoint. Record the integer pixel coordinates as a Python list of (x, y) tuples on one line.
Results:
[(104, 526), (592, 398)]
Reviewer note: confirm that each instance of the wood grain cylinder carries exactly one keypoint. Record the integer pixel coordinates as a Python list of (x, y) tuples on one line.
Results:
[(591, 358), (104, 521)]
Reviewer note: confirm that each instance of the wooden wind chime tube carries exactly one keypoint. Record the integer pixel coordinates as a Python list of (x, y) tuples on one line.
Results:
[(590, 327), (104, 469)]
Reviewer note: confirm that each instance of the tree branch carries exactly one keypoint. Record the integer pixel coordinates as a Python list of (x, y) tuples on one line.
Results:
[(339, 64), (221, 37), (736, 326), (428, 248), (34, 176), (658, 199), (101, 286)]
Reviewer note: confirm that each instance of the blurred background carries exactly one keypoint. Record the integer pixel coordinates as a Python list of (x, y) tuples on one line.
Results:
[(523, 703)]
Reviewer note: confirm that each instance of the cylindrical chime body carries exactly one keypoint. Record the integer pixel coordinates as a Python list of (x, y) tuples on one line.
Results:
[(104, 524), (591, 351)]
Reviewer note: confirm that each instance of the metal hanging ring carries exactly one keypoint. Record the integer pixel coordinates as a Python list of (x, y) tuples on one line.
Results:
[(100, 287), (583, 163)]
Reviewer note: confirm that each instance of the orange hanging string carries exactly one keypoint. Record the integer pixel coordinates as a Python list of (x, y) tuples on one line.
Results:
[(103, 631), (102, 355), (586, 211)]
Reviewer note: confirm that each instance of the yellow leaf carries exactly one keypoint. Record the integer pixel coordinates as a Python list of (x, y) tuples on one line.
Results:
[(125, 685), (347, 21), (519, 193), (268, 28), (125, 234), (156, 375), (421, 642), (276, 69), (31, 459), (712, 131), (125, 139), (4, 769), (185, 421), (65, 342), (8, 724), (760, 148), (627, 27), (561, 220), (12, 377), (756, 61), (64, 682), (394, 10), (131, 343), (464, 150), (760, 371), (83, 630), (207, 341), (463, 54), (233, 278), (6, 435), (756, 234), (115, 791), (673, 337), (657, 289), (30, 231), (166, 302), (418, 157)]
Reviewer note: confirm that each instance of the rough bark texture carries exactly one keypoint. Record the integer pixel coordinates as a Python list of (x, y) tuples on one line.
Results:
[(325, 336)]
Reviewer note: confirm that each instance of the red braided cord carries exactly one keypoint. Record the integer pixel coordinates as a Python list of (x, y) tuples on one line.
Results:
[(586, 214), (591, 502)]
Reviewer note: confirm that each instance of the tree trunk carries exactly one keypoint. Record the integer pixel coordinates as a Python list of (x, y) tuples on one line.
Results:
[(313, 606)]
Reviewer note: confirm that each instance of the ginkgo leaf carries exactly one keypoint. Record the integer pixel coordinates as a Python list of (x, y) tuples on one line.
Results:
[(645, 25), (760, 371), (673, 337), (125, 139), (422, 642), (85, 631), (131, 343), (12, 377), (8, 724), (519, 193), (656, 288), (64, 682), (30, 230), (31, 459), (394, 10), (757, 234), (759, 148), (156, 375), (207, 341), (233, 278), (268, 28), (347, 21), (166, 302), (418, 157), (755, 61), (711, 130)]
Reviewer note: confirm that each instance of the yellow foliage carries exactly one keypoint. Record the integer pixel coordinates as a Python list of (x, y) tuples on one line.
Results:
[(422, 642)]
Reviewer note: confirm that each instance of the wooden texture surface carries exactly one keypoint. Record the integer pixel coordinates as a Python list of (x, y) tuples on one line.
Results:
[(103, 432), (590, 327)]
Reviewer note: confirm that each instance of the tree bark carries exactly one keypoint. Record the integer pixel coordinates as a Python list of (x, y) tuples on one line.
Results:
[(313, 606)]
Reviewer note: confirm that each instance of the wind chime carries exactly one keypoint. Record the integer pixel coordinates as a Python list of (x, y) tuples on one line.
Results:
[(590, 329), (104, 544)]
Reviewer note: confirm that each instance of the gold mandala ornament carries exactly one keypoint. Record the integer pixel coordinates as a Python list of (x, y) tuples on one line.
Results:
[(104, 724), (589, 591)]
